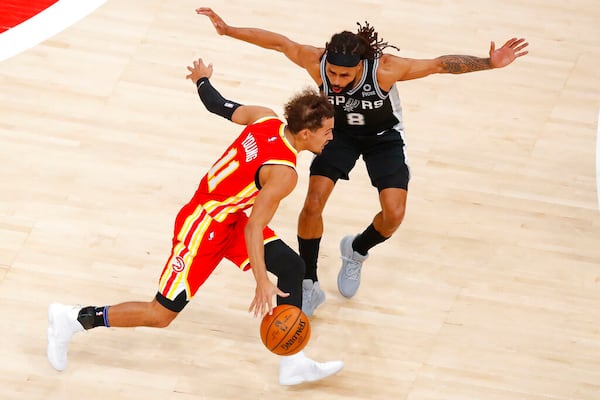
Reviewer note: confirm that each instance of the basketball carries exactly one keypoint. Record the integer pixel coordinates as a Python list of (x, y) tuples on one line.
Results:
[(286, 331)]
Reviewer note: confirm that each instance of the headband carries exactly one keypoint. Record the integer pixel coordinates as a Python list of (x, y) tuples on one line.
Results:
[(343, 60)]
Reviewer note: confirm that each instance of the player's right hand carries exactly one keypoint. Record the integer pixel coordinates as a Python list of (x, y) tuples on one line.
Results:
[(263, 298)]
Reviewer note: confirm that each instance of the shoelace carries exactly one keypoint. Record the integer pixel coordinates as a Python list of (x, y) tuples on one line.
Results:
[(352, 268), (307, 295)]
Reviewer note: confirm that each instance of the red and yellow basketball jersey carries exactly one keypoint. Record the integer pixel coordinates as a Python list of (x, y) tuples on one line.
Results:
[(231, 184)]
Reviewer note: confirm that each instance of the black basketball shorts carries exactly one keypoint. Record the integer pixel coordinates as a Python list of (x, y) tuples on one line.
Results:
[(383, 155)]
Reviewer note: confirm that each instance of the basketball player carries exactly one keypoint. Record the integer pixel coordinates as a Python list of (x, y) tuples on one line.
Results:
[(359, 79), (256, 172)]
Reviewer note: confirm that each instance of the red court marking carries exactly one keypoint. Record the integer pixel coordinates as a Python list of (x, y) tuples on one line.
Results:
[(13, 12)]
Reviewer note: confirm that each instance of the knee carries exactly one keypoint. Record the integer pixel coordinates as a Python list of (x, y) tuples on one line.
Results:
[(393, 218), (314, 203), (161, 316), (162, 321)]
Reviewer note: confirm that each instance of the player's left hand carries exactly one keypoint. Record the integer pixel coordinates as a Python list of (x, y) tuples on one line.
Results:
[(199, 70), (508, 53)]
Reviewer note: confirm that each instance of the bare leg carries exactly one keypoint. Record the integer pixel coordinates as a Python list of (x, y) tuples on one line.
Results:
[(137, 313), (310, 221), (393, 207)]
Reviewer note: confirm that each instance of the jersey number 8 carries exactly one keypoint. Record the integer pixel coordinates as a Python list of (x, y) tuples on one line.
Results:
[(355, 119)]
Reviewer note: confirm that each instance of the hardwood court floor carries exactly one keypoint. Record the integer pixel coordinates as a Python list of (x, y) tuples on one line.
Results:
[(489, 290)]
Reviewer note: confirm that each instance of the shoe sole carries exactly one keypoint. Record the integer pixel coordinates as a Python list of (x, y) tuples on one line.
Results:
[(296, 380)]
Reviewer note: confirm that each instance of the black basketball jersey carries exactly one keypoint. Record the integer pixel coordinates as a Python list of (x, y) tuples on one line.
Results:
[(365, 109)]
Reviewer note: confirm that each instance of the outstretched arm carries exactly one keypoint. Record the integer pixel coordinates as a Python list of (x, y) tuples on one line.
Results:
[(304, 56), (401, 69), (217, 104), (500, 58)]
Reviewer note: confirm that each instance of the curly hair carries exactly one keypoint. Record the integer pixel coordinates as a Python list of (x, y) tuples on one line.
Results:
[(307, 110), (365, 43)]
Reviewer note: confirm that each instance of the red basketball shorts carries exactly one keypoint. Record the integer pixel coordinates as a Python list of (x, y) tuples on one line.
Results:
[(199, 244)]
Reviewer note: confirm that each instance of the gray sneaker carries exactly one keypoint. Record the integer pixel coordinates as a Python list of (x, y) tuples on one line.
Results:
[(349, 275), (312, 296)]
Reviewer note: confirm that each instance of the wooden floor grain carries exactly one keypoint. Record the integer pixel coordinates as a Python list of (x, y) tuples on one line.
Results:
[(489, 290)]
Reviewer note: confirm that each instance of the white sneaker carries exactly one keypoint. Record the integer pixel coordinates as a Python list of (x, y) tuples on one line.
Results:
[(349, 275), (298, 368), (312, 296), (62, 325)]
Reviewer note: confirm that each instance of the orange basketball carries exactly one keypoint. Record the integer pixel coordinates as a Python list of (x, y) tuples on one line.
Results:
[(286, 331)]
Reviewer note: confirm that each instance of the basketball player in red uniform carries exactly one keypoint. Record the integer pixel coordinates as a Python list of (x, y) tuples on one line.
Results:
[(255, 172), (359, 80)]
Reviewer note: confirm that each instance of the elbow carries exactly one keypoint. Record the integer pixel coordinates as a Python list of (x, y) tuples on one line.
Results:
[(253, 231), (250, 230), (211, 106)]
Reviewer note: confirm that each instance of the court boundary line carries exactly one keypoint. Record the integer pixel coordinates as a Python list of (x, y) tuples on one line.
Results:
[(42, 26)]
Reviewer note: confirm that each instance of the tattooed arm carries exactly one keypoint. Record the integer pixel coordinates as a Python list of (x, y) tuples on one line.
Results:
[(458, 64), (393, 69)]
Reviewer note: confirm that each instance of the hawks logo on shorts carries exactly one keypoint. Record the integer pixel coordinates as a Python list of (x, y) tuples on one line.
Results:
[(178, 264)]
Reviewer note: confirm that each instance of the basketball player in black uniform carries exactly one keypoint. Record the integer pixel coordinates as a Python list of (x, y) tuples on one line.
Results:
[(359, 80)]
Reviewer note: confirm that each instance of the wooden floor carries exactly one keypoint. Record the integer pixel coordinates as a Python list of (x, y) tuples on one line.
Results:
[(489, 290)]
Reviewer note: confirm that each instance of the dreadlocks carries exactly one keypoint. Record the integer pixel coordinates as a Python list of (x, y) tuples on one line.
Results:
[(376, 46), (363, 44)]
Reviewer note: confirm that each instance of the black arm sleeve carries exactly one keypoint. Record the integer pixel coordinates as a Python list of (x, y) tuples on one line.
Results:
[(213, 101)]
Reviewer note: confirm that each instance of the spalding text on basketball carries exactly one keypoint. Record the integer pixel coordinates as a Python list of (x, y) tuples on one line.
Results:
[(298, 332)]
